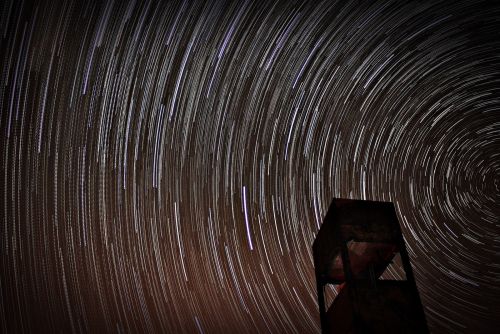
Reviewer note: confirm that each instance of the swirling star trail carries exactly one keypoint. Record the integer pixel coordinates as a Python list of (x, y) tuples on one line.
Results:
[(165, 166)]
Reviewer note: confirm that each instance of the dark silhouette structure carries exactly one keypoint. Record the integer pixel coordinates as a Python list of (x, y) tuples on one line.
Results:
[(355, 245)]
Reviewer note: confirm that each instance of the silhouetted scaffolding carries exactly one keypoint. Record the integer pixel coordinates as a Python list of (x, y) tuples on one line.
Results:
[(356, 244)]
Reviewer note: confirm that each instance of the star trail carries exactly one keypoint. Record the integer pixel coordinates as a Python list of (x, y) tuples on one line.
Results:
[(165, 166)]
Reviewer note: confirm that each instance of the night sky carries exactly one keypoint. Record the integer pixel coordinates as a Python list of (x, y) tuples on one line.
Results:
[(165, 166)]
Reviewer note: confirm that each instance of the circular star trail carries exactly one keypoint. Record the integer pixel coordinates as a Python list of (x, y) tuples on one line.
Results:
[(165, 166)]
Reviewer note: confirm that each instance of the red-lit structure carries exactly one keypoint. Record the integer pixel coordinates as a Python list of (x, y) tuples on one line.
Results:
[(356, 243)]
